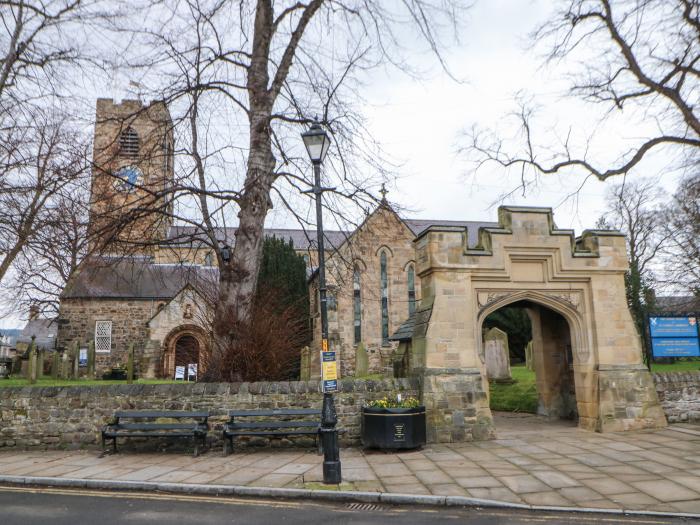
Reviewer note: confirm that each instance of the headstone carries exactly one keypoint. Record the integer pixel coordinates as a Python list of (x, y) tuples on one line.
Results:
[(76, 361), (130, 365), (497, 355), (305, 364), (529, 357), (361, 360), (55, 365), (91, 360)]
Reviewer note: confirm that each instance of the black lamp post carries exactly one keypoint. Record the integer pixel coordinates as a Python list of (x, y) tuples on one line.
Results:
[(317, 142)]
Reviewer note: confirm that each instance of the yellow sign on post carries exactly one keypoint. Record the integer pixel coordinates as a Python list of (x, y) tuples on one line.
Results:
[(329, 368)]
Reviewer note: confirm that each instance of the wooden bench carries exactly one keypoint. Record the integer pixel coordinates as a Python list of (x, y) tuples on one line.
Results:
[(272, 423), (187, 424)]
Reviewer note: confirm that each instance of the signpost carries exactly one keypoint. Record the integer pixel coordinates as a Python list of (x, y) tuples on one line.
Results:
[(329, 370), (674, 335)]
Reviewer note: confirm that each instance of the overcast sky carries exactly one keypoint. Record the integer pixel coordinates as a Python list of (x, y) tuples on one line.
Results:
[(420, 123)]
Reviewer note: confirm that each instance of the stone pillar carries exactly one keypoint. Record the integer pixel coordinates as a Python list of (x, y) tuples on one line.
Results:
[(497, 355), (32, 369)]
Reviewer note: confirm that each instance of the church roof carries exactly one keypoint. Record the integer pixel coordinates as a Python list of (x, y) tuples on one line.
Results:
[(44, 331), (418, 226), (301, 239), (136, 278), (306, 239)]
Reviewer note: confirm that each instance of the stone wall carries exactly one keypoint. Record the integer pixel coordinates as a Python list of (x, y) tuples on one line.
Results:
[(679, 395), (129, 325), (71, 417)]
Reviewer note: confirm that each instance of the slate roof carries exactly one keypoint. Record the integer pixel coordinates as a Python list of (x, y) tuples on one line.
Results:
[(405, 331), (306, 239), (678, 303), (137, 278), (45, 331), (301, 239), (418, 226)]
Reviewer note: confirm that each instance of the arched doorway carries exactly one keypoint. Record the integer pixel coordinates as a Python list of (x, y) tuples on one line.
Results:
[(185, 346), (540, 355)]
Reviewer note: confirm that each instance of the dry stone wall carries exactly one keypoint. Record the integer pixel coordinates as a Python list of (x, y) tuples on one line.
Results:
[(679, 395), (71, 417)]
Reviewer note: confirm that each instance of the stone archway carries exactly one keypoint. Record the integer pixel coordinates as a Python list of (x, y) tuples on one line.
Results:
[(184, 345), (562, 362), (526, 258)]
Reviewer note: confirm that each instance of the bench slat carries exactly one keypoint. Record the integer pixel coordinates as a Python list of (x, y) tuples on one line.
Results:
[(271, 433), (155, 426), (132, 414), (276, 412), (152, 434), (274, 424)]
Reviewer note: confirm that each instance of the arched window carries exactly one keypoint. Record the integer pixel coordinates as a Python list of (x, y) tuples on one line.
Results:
[(129, 142), (384, 294), (208, 259), (411, 290), (357, 305)]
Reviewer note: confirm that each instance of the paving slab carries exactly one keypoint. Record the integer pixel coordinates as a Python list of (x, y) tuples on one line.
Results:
[(532, 462)]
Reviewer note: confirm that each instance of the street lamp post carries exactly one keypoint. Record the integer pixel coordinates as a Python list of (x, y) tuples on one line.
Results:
[(317, 142)]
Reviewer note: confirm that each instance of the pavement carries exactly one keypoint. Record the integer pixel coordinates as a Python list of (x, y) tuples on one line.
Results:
[(533, 463)]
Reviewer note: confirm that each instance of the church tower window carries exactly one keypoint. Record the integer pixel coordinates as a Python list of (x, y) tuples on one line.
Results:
[(129, 142), (357, 305), (384, 295), (411, 290)]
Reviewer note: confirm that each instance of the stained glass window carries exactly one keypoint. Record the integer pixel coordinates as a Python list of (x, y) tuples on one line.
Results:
[(411, 290), (384, 294), (357, 304)]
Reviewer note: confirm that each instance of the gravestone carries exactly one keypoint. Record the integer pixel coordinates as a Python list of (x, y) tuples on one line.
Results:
[(305, 365), (497, 355), (361, 360), (529, 357)]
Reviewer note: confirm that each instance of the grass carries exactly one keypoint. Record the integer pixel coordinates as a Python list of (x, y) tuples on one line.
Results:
[(520, 396), (678, 366), (47, 381)]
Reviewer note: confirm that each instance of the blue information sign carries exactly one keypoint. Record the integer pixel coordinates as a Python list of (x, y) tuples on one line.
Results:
[(673, 326), (674, 336), (675, 346)]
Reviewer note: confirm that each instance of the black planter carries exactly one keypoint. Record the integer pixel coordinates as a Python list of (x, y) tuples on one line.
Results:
[(393, 428)]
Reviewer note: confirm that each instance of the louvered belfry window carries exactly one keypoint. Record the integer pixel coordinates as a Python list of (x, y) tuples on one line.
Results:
[(103, 336), (129, 142)]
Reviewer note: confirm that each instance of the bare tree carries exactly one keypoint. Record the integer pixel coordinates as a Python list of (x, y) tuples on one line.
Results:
[(246, 82), (640, 57), (44, 46), (634, 207), (682, 226)]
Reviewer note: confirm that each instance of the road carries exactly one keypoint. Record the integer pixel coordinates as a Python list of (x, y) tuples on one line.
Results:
[(29, 506)]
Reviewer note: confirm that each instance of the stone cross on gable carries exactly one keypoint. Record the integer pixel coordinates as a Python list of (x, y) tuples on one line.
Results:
[(383, 191)]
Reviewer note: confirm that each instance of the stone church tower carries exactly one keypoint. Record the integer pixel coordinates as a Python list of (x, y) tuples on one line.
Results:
[(133, 170)]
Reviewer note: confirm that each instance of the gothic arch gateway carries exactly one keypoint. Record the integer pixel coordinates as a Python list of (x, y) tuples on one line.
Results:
[(527, 259)]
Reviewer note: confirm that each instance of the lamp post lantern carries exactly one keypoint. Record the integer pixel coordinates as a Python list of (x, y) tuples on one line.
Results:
[(317, 142)]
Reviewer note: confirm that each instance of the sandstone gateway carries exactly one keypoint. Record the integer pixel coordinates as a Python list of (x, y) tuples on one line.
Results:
[(405, 295)]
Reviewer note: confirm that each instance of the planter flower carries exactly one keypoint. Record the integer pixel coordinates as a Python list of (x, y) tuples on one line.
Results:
[(393, 423)]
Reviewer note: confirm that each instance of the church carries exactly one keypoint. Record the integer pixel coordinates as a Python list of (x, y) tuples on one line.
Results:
[(412, 292), (152, 296)]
